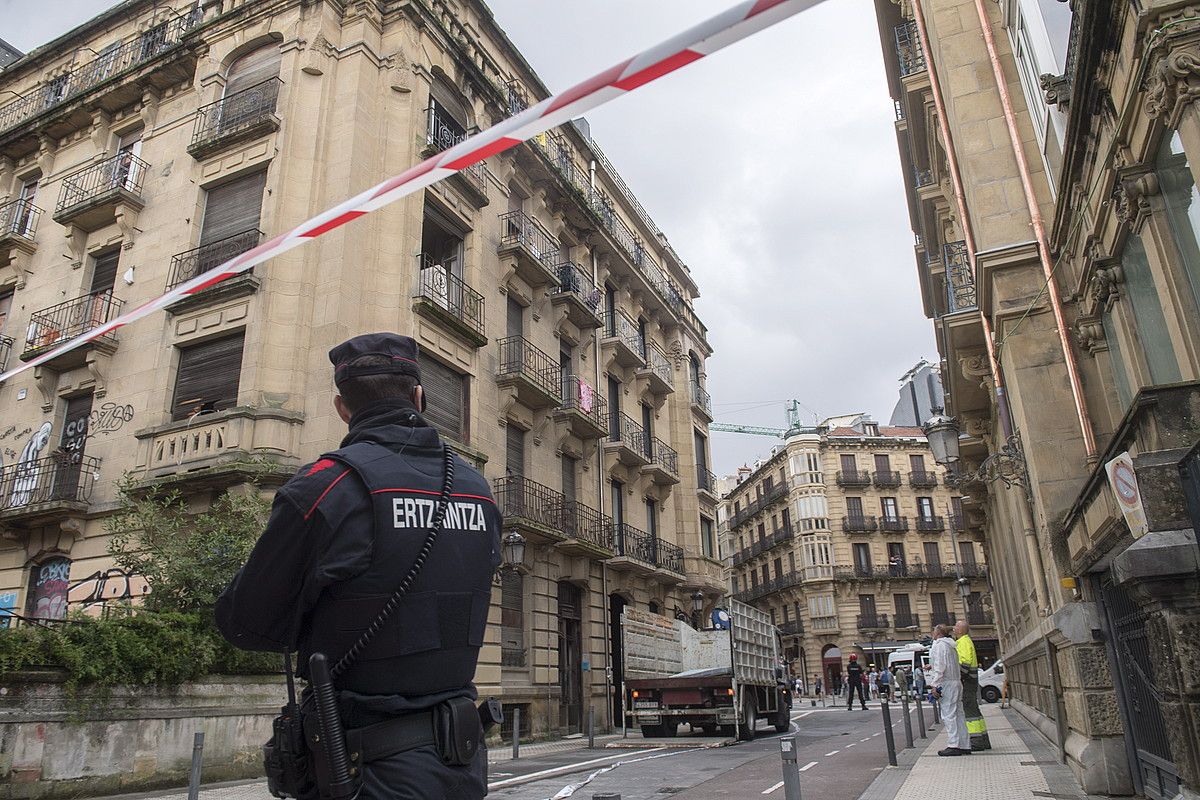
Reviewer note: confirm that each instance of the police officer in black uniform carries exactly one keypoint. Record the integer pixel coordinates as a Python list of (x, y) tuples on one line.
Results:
[(342, 535)]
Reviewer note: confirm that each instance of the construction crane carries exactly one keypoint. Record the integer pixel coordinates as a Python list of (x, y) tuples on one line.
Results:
[(792, 409)]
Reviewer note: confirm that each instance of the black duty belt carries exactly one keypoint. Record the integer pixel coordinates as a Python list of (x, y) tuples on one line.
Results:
[(374, 742)]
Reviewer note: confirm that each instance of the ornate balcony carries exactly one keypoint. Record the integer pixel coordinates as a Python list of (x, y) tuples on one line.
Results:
[(872, 622), (6, 344), (50, 489), (668, 557), (238, 117), (663, 466), (218, 449), (52, 326), (886, 478), (893, 524), (626, 440), (853, 477), (854, 524), (634, 550), (528, 249), (960, 281), (792, 627), (908, 49), (529, 371), (958, 523), (906, 620), (583, 409), (701, 402), (444, 132), (544, 515), (198, 260), (657, 370), (979, 617), (577, 295), (445, 298), (942, 618), (706, 484), (922, 479), (97, 195), (622, 338), (18, 225), (824, 625), (934, 524)]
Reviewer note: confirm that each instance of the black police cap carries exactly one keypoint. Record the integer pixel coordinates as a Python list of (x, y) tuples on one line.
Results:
[(401, 352)]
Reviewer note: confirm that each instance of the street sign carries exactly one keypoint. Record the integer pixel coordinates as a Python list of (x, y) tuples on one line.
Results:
[(1122, 479)]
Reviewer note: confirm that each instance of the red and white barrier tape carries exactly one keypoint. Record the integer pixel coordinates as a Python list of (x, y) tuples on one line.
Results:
[(704, 39)]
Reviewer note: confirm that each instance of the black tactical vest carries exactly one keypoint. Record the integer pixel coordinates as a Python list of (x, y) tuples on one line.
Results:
[(431, 642)]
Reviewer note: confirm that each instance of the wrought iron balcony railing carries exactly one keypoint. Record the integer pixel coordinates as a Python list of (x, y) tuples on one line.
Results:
[(443, 132), (903, 619), (908, 49), (450, 295), (942, 618), (661, 453), (824, 623), (792, 627), (706, 481), (6, 344), (893, 524), (625, 429), (619, 325), (235, 114), (958, 522), (960, 281), (931, 524), (519, 356), (853, 477), (122, 173), (979, 617), (921, 479), (58, 323), (578, 395), (886, 477), (19, 218), (198, 260), (668, 556), (573, 279), (866, 622), (108, 64), (701, 399), (634, 543), (522, 500), (855, 524), (518, 228), (922, 178), (56, 478), (658, 363)]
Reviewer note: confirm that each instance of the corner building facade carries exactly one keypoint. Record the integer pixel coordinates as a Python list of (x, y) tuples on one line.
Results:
[(1050, 155), (560, 349), (851, 539)]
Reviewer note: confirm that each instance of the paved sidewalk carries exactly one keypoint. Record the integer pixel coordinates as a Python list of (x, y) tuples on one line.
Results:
[(1020, 766)]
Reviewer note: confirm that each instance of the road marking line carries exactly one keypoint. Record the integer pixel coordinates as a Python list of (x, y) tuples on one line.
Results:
[(866, 739), (851, 745), (569, 767), (808, 766), (773, 788), (874, 734), (834, 753)]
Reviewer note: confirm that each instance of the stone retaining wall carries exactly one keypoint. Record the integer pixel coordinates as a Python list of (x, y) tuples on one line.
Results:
[(54, 745)]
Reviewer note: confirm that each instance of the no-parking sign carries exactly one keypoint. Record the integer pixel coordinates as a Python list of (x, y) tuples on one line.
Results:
[(1123, 480)]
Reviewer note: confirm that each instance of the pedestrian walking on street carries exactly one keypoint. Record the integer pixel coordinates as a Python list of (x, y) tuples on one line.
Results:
[(873, 682), (854, 682), (969, 664), (946, 682), (919, 681), (817, 684), (885, 683)]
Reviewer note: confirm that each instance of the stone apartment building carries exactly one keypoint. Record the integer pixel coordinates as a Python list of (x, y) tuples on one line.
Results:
[(849, 536), (1047, 151), (561, 351)]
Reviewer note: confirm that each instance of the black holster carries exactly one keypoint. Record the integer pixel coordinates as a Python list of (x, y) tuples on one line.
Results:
[(285, 757)]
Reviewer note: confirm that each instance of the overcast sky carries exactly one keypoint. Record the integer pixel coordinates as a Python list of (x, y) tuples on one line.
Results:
[(772, 168)]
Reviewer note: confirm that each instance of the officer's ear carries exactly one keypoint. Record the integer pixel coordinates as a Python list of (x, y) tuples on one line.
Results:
[(339, 405), (419, 398)]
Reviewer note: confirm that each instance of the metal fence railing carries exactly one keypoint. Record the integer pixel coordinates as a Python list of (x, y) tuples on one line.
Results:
[(523, 500), (668, 556), (437, 285), (960, 281), (578, 395), (658, 363), (633, 543), (64, 477), (6, 344), (701, 398), (908, 48), (68, 319), (872, 621), (122, 172), (442, 133), (19, 218), (619, 325), (198, 260), (865, 524), (235, 113), (518, 228), (519, 356), (574, 279), (626, 430), (661, 453)]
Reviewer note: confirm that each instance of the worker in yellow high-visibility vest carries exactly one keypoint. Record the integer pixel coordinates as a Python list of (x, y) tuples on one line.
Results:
[(969, 664)]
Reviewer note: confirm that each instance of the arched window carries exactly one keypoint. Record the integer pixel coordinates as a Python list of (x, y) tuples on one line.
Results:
[(48, 583), (449, 117), (253, 69), (694, 369)]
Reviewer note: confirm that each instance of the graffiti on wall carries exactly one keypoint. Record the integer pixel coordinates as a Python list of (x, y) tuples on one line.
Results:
[(108, 418), (22, 480), (50, 587)]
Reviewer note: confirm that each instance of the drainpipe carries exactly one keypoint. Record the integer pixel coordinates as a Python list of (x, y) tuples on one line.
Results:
[(608, 654), (1039, 230), (1034, 550), (961, 202)]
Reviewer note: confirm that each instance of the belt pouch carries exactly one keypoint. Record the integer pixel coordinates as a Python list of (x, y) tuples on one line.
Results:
[(458, 731)]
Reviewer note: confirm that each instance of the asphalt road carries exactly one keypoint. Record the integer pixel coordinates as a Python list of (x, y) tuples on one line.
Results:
[(839, 753)]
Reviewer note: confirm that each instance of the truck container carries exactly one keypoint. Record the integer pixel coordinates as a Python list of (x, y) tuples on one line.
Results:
[(722, 679)]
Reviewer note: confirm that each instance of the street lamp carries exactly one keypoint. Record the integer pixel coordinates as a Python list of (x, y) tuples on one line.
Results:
[(964, 591), (513, 550), (697, 607), (942, 433)]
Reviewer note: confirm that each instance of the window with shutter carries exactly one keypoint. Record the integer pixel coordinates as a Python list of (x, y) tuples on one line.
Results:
[(933, 556), (5, 308), (967, 552), (848, 463), (514, 449), (447, 400), (568, 478), (233, 208), (882, 463), (208, 376), (512, 618), (104, 272), (515, 318), (902, 605), (866, 605), (252, 69), (854, 507), (707, 540)]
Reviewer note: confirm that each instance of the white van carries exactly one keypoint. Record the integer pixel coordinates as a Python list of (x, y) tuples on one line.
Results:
[(910, 655), (991, 682)]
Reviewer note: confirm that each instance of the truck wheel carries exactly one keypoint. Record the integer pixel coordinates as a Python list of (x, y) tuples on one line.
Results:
[(749, 718), (652, 731), (728, 731), (990, 694), (782, 720)]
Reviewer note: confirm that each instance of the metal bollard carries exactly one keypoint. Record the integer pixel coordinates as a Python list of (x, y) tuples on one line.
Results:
[(908, 737), (516, 732), (591, 727), (887, 732), (197, 760), (791, 770), (920, 718)]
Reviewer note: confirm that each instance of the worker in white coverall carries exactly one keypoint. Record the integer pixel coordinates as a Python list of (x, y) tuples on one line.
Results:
[(946, 682)]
